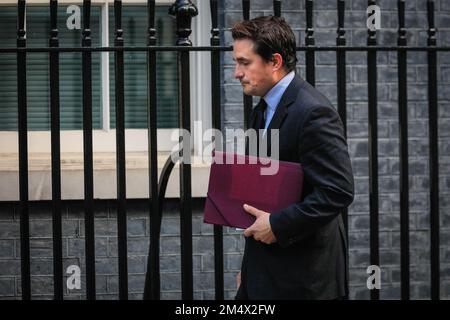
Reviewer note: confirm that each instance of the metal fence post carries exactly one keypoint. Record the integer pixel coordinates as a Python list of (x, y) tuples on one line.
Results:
[(184, 11)]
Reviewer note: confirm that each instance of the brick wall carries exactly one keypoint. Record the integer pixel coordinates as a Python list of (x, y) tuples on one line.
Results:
[(106, 256)]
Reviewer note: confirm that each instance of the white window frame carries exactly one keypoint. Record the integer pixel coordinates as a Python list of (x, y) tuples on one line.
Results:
[(136, 140)]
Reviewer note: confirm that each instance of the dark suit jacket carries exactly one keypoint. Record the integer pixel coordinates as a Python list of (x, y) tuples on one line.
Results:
[(309, 259)]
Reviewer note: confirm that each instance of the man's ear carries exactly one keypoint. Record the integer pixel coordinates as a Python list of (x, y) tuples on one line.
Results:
[(277, 60)]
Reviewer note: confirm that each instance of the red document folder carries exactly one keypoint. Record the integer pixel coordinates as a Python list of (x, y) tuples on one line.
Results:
[(233, 184)]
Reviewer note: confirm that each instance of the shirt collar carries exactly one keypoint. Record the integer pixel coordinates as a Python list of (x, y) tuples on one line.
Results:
[(274, 95)]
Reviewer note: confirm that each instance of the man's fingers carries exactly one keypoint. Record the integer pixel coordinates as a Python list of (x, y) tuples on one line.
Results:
[(249, 231), (252, 210)]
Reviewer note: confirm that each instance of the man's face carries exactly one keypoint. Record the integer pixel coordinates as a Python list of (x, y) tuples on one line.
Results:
[(255, 74)]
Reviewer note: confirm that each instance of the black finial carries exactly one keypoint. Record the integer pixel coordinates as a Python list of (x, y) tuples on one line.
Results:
[(277, 8), (53, 23), (214, 23), (246, 9), (183, 11), (86, 22), (151, 40), (118, 22), (309, 40), (341, 29), (431, 27), (401, 23), (21, 22)]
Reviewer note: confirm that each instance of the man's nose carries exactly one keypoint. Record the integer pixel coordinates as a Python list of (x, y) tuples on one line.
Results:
[(238, 73)]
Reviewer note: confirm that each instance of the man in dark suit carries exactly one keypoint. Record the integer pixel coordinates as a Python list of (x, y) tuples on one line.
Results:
[(299, 252)]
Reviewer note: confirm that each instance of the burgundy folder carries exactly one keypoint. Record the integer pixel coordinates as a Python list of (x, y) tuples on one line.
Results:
[(231, 184)]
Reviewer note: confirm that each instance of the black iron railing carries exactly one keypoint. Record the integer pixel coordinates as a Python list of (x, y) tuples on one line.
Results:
[(184, 11)]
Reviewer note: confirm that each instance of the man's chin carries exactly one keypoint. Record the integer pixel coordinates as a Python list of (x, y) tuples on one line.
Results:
[(247, 91)]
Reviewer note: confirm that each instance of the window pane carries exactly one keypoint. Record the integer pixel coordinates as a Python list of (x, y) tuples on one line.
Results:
[(134, 25), (8, 70), (38, 80)]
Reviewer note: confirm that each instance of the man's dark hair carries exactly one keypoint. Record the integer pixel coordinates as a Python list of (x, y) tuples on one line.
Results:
[(271, 35)]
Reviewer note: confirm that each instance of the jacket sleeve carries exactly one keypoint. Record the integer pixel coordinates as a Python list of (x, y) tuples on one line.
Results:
[(327, 172)]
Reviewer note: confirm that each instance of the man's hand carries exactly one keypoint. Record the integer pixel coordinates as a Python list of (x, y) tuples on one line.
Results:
[(260, 229)]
